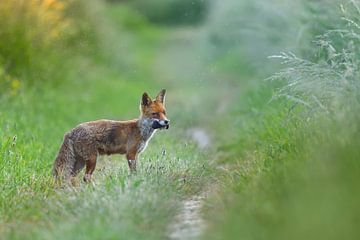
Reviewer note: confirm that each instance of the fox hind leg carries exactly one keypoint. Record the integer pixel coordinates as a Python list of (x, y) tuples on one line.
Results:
[(78, 166)]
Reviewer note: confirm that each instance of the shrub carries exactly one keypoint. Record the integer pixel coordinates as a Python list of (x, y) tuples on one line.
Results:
[(41, 41), (30, 31)]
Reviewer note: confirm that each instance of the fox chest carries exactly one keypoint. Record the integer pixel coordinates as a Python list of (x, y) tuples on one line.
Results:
[(146, 136), (142, 146)]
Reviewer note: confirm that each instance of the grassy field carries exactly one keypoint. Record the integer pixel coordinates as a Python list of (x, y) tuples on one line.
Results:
[(117, 205), (283, 131)]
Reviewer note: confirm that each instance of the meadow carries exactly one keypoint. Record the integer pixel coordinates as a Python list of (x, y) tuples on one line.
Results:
[(276, 93)]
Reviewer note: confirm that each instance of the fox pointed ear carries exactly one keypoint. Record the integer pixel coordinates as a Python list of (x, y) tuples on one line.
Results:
[(145, 100), (161, 96)]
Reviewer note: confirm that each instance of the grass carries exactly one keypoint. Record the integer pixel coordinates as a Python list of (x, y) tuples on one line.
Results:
[(117, 205), (292, 173), (284, 157)]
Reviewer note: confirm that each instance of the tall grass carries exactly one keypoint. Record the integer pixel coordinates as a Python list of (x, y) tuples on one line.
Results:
[(292, 171), (330, 81)]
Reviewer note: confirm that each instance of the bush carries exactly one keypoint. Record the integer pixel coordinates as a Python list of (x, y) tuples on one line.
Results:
[(30, 31), (41, 40)]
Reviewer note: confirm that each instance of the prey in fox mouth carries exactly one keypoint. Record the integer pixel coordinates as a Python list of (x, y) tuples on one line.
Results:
[(161, 124)]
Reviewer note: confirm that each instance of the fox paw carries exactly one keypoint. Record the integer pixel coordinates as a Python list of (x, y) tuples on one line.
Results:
[(87, 178)]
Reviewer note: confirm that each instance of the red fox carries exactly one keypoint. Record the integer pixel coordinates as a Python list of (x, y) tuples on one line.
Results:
[(83, 144)]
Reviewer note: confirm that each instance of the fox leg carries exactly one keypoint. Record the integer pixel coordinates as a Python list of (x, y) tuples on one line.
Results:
[(78, 166), (90, 167), (131, 158)]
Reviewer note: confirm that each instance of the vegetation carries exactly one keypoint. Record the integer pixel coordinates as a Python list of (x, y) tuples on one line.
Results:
[(292, 172), (35, 114), (276, 89), (171, 12)]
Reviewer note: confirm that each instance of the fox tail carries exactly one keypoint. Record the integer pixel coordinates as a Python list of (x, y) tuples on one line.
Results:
[(65, 160)]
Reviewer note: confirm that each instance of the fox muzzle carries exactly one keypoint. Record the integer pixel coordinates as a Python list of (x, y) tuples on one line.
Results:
[(161, 124)]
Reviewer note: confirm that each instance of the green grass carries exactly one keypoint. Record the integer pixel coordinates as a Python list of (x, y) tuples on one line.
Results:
[(291, 171), (117, 205), (136, 206), (286, 178), (284, 157)]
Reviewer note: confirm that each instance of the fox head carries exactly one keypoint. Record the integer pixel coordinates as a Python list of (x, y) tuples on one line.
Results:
[(154, 110)]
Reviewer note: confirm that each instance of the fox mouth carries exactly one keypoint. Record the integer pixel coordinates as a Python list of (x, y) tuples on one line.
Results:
[(157, 125)]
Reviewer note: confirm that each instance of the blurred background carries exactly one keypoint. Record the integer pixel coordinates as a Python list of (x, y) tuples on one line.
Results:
[(273, 84)]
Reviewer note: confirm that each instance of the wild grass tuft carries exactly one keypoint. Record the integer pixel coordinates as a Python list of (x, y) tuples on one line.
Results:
[(330, 81)]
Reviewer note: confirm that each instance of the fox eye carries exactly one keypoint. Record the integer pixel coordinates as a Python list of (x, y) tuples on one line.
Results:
[(155, 114)]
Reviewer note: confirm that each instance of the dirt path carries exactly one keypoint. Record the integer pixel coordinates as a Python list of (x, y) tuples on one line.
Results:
[(188, 224), (200, 136), (185, 73)]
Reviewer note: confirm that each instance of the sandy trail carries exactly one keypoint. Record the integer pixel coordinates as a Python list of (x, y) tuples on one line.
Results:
[(188, 224), (200, 136)]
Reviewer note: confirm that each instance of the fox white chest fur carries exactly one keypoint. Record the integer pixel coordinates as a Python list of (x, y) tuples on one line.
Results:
[(147, 131)]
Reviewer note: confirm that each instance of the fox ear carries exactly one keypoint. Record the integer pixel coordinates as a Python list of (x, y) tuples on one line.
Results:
[(161, 96), (145, 100)]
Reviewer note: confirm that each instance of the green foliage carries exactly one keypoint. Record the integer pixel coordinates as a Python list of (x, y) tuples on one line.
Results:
[(173, 12), (41, 40), (30, 32), (292, 171)]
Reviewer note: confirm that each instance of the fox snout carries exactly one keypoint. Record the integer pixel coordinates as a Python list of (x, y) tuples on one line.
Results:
[(161, 123), (165, 123)]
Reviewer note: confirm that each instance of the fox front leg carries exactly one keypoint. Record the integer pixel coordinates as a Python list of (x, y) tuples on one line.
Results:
[(131, 158)]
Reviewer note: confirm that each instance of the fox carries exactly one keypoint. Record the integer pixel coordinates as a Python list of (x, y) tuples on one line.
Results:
[(83, 145)]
